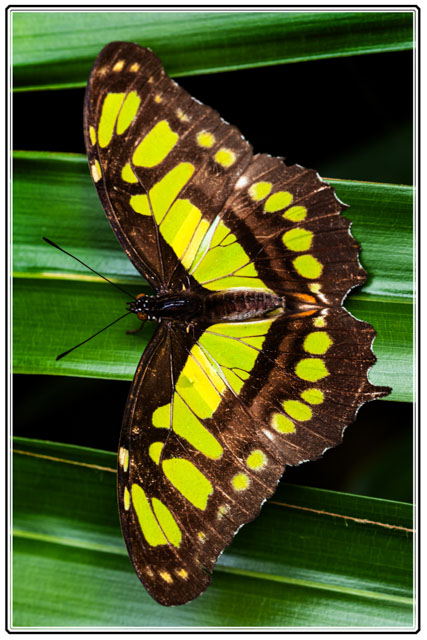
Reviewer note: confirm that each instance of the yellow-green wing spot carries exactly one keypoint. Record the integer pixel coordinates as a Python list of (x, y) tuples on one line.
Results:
[(225, 264), (295, 214), (234, 347), (199, 384), (240, 482), (308, 266), (183, 229), (92, 135), (259, 190), (163, 193), (166, 576), (297, 410), (278, 201), (298, 239), (319, 322), (225, 157), (182, 573), (167, 522), (155, 146), (282, 424), (181, 222), (256, 460), (128, 175), (155, 450), (157, 523), (317, 342), (198, 393), (188, 480), (147, 521), (205, 139), (119, 65), (110, 111), (311, 369), (313, 396), (186, 425), (128, 111)]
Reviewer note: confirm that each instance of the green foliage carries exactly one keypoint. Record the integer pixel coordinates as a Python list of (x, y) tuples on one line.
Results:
[(347, 563), (55, 50), (313, 558)]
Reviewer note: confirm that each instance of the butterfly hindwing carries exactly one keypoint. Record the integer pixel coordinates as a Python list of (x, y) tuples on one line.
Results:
[(205, 448), (218, 409), (292, 237), (303, 244), (180, 505)]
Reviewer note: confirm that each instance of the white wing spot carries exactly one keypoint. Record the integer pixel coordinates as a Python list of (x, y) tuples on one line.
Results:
[(268, 434), (242, 182)]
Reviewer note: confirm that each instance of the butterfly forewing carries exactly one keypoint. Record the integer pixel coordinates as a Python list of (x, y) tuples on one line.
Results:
[(159, 159), (218, 409)]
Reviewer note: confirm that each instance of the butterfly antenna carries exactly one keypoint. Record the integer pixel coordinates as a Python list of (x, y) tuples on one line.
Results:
[(53, 244), (93, 336)]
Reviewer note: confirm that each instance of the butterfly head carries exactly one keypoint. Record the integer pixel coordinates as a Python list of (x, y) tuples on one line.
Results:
[(140, 306)]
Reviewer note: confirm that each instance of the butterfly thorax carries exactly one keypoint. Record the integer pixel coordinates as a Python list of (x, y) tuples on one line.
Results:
[(224, 306)]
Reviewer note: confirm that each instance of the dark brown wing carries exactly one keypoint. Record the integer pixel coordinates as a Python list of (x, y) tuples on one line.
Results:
[(213, 418), (152, 148)]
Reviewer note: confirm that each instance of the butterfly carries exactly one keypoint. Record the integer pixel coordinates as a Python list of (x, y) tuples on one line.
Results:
[(254, 364)]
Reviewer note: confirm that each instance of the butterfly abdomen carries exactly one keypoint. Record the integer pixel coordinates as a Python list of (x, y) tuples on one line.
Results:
[(238, 305)]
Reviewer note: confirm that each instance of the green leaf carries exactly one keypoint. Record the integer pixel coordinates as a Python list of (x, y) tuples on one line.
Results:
[(58, 303), (382, 222), (57, 49), (318, 558)]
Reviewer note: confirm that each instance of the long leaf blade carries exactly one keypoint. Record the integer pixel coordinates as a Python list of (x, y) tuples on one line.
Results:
[(52, 49), (319, 558)]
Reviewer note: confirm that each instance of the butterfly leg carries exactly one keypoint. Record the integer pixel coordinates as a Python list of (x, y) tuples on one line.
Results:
[(191, 328), (133, 331)]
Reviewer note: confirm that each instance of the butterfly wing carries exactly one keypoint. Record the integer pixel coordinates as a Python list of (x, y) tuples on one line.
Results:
[(308, 252), (157, 156), (202, 450), (291, 238)]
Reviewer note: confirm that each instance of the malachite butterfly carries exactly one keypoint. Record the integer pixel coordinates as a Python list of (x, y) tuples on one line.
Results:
[(254, 364)]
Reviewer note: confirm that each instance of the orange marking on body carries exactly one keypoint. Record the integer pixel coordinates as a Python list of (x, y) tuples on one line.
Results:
[(304, 297), (302, 314)]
